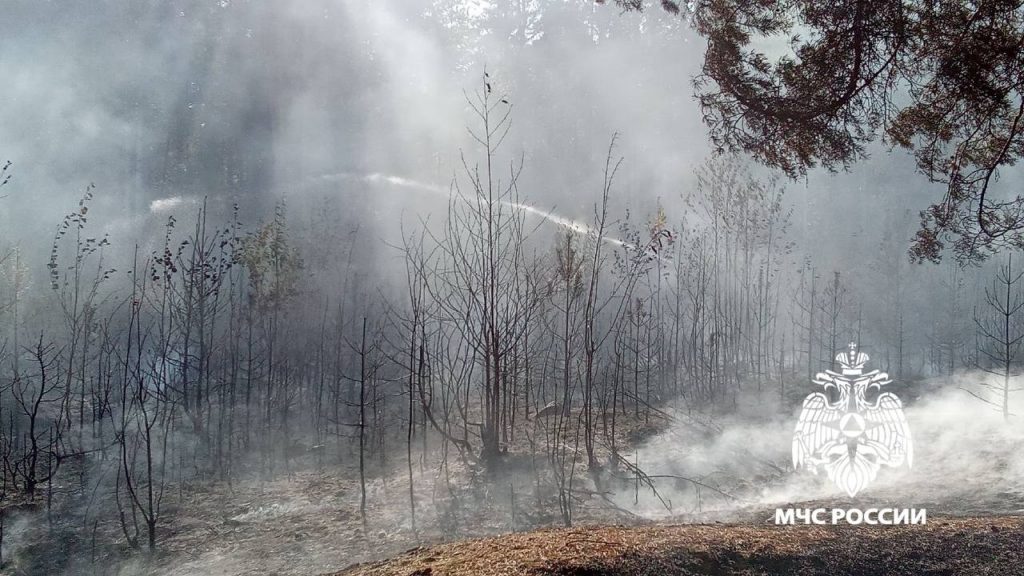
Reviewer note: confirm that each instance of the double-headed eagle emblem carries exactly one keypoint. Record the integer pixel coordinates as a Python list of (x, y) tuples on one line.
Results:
[(851, 438)]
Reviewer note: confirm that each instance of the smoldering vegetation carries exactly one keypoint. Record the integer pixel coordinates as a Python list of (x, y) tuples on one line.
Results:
[(245, 396), (737, 467), (282, 336)]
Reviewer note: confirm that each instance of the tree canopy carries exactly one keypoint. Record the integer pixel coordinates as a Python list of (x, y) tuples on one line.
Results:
[(943, 79)]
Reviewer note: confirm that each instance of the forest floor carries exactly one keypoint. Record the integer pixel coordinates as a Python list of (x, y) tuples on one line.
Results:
[(483, 523), (948, 546), (474, 520), (309, 522)]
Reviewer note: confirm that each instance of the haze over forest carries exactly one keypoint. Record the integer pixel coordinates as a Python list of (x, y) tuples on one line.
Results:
[(289, 286)]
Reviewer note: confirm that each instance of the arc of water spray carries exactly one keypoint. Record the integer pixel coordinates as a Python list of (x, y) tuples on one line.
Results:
[(567, 223)]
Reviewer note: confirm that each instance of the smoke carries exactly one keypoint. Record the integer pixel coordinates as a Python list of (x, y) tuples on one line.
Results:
[(243, 102), (164, 103), (967, 459)]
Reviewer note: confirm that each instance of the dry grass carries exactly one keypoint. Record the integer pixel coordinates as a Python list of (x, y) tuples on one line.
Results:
[(945, 546)]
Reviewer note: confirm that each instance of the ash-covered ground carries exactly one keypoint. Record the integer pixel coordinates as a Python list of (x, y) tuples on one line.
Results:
[(695, 470)]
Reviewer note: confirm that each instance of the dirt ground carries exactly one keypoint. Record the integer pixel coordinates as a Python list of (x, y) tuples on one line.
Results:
[(944, 546), (302, 522), (470, 521), (309, 522)]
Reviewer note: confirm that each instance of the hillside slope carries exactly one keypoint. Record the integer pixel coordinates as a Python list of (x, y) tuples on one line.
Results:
[(945, 546)]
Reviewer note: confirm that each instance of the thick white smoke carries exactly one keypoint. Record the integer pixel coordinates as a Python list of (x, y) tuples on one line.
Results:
[(967, 459)]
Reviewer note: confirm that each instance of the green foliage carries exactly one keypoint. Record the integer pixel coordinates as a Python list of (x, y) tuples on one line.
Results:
[(274, 266), (941, 79)]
